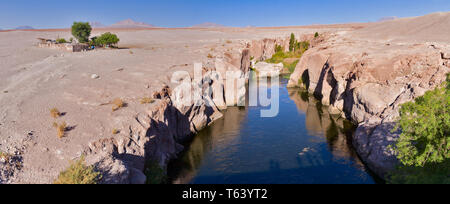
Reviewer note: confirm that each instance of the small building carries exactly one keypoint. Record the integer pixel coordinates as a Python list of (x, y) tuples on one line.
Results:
[(71, 47)]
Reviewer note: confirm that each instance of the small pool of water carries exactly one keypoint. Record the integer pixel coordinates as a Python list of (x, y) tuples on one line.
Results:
[(304, 144)]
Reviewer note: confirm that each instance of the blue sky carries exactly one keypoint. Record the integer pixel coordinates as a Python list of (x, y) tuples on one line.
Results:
[(182, 13)]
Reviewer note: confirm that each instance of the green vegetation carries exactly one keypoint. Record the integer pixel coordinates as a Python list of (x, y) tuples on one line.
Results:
[(434, 173), (423, 147), (291, 66), (107, 39), (296, 50), (61, 40), (292, 42), (78, 173), (155, 174), (316, 35), (81, 31)]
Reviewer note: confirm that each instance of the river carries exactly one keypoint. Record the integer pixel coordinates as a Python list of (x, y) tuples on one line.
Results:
[(304, 144)]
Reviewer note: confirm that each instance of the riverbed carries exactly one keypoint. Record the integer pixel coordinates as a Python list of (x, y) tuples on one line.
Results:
[(303, 144)]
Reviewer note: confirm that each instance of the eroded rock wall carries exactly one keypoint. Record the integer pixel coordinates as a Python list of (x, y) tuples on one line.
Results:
[(367, 81), (157, 134)]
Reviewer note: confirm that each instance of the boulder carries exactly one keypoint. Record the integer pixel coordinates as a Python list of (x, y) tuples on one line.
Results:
[(265, 70)]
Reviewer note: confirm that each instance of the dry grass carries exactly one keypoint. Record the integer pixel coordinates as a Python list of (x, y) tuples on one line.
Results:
[(115, 131), (117, 104), (61, 129), (131, 52), (210, 56), (54, 112), (229, 41), (147, 100), (78, 173), (5, 157)]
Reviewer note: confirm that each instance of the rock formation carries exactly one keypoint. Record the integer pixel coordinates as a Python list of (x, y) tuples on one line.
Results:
[(367, 79), (157, 134), (268, 70)]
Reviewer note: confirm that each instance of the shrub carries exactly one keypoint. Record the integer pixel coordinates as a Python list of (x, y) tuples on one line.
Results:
[(78, 173), (61, 129), (5, 157), (61, 40), (278, 48), (316, 35), (423, 147), (115, 131), (81, 31), (210, 56), (54, 112), (425, 126), (117, 104), (147, 100), (93, 41), (435, 173), (107, 39)]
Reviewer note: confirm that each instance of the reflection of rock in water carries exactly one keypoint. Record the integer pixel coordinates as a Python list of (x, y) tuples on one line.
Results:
[(319, 122), (220, 134)]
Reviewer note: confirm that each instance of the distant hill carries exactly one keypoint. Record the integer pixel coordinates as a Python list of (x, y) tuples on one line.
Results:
[(24, 28), (208, 25), (131, 24), (96, 24), (387, 18)]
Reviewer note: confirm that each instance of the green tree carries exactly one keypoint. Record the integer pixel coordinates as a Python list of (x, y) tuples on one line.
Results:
[(107, 39), (316, 35), (292, 42), (81, 31), (278, 48), (425, 125)]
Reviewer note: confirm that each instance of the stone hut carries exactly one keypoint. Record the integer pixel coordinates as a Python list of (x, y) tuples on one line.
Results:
[(48, 43)]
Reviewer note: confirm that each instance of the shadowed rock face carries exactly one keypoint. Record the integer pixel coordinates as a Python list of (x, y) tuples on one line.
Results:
[(367, 80)]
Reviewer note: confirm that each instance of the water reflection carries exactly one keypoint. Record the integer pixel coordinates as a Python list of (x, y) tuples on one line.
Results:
[(304, 144), (220, 135), (320, 123)]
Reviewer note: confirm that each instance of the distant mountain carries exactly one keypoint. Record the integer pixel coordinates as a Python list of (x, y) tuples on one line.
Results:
[(387, 18), (24, 28), (96, 24), (208, 25), (131, 24)]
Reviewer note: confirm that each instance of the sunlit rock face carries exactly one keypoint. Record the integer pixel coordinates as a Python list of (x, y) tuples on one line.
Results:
[(365, 75)]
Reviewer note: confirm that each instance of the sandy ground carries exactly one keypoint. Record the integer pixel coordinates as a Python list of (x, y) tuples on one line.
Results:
[(34, 80)]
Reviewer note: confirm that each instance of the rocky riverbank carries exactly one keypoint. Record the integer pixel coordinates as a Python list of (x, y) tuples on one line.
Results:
[(365, 76), (157, 135)]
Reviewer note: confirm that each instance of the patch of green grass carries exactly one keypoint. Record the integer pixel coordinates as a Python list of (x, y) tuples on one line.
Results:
[(291, 67), (155, 174), (280, 56)]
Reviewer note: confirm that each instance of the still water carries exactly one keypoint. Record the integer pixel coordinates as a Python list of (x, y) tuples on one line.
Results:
[(304, 144)]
